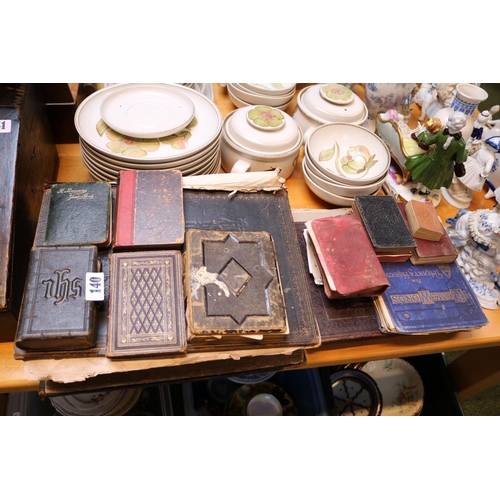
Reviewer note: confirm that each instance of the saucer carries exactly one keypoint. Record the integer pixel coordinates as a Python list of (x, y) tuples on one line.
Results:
[(147, 112)]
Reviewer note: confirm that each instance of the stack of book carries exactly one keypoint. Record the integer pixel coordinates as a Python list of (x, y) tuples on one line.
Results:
[(238, 274)]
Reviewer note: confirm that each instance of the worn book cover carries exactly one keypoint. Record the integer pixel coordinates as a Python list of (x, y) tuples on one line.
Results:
[(339, 319), (347, 259), (79, 214), (149, 211), (426, 299), (423, 220), (54, 312), (431, 252), (146, 304), (384, 224), (232, 283), (271, 212)]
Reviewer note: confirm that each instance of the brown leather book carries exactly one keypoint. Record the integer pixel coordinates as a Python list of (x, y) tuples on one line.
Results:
[(423, 220), (347, 260), (431, 252), (146, 304), (232, 284), (54, 313), (149, 210)]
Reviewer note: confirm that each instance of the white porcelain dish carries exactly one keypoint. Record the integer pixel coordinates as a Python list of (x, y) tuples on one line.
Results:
[(270, 88), (341, 189), (334, 199), (254, 98), (400, 384), (147, 112), (239, 103), (202, 131), (350, 153)]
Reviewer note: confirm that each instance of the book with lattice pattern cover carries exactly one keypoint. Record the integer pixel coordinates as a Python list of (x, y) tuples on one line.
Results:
[(146, 304)]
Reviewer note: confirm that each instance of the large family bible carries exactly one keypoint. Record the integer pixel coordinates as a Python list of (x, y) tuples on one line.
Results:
[(232, 284), (55, 314), (271, 212), (149, 210), (146, 304)]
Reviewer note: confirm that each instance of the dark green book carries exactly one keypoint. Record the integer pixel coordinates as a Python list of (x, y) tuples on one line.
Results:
[(79, 214)]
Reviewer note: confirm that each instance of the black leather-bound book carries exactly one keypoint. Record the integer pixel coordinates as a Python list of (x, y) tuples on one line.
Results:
[(79, 214), (54, 313), (384, 224)]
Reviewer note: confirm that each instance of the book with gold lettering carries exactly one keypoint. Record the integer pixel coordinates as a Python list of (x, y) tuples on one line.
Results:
[(146, 304), (427, 298), (79, 213)]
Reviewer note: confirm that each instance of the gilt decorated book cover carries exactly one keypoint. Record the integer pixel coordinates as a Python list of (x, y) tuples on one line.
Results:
[(146, 304), (54, 312), (427, 298), (232, 283)]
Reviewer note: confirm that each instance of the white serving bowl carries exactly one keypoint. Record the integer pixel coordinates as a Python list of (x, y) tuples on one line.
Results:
[(239, 103), (270, 88), (334, 199), (351, 154), (248, 147), (341, 189), (255, 98), (314, 108)]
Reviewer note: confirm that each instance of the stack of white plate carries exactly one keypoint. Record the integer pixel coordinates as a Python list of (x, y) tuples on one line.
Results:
[(342, 161), (148, 127), (276, 95)]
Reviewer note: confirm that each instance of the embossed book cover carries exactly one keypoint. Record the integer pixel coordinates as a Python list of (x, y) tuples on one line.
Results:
[(271, 212), (232, 283), (54, 313), (146, 304), (149, 210), (427, 298), (79, 214)]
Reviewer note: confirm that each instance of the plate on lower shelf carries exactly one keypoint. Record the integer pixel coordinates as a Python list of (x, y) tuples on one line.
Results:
[(400, 384)]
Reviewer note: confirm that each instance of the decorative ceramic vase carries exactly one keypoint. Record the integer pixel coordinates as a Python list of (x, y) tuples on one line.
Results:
[(380, 97), (466, 100)]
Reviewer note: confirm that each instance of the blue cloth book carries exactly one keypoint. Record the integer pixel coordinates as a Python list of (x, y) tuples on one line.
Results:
[(427, 299)]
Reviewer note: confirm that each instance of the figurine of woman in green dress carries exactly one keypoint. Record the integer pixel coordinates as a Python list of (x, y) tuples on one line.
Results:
[(445, 156)]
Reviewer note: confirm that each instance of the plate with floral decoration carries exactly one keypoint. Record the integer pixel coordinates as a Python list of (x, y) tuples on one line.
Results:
[(204, 128), (400, 384)]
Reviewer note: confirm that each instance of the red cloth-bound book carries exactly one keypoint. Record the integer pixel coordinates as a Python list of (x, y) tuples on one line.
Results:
[(349, 264), (149, 210)]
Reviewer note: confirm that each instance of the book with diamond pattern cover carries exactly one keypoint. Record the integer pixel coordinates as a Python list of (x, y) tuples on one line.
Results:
[(146, 304)]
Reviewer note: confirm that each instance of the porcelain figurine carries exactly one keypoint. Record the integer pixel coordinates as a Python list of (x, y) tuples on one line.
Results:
[(480, 123), (477, 168), (476, 235), (446, 154), (425, 97)]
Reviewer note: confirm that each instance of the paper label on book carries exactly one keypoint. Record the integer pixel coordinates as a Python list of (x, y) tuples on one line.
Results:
[(94, 286), (5, 126)]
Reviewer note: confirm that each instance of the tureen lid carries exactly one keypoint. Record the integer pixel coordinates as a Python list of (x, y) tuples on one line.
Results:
[(263, 129), (334, 103)]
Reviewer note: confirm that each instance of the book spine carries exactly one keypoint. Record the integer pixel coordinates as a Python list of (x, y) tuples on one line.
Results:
[(125, 213)]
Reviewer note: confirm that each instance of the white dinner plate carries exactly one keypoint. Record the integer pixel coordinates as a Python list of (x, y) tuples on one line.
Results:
[(147, 112)]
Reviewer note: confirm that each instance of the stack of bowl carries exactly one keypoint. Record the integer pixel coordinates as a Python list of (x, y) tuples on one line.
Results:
[(342, 161), (148, 127), (276, 95), (259, 138), (328, 103)]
